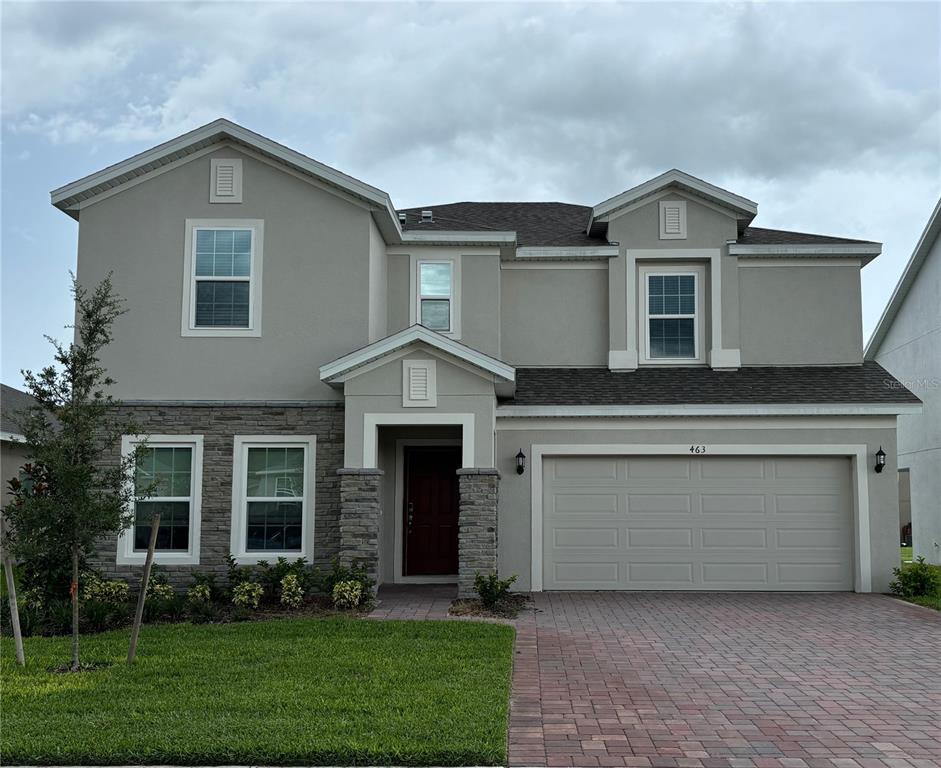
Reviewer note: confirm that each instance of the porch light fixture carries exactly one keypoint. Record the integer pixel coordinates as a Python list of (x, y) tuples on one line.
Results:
[(520, 462), (880, 460)]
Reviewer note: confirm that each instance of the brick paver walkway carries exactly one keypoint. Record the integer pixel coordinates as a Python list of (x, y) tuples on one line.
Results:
[(726, 680)]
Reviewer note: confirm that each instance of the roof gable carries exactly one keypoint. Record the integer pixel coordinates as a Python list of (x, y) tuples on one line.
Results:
[(338, 370), (69, 198), (919, 256), (741, 207)]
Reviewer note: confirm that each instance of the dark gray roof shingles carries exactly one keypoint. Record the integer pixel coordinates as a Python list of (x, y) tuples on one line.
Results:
[(565, 224), (12, 401), (868, 383)]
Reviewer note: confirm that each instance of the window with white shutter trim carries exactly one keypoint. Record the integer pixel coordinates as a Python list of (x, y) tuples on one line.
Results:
[(225, 181), (673, 220), (419, 385)]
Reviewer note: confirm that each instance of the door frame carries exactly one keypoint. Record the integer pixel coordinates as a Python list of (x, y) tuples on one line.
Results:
[(398, 559), (859, 482)]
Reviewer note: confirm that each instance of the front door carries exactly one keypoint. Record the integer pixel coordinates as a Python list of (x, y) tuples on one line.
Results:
[(430, 510)]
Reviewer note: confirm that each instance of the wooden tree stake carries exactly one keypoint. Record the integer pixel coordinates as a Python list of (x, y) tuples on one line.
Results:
[(145, 581), (11, 595)]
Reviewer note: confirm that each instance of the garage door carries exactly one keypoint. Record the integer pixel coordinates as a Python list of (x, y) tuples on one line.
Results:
[(717, 523)]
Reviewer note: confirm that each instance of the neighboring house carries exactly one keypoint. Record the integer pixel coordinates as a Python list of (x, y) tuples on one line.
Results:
[(649, 393), (12, 451), (907, 342)]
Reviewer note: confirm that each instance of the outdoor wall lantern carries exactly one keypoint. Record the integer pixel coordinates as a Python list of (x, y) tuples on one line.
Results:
[(880, 460), (520, 462)]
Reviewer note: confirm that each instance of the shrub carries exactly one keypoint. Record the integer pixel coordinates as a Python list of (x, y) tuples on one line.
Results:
[(272, 576), (247, 594), (102, 615), (347, 594), (160, 590), (236, 574), (116, 592), (199, 594), (491, 589), (337, 573), (292, 595), (916, 580)]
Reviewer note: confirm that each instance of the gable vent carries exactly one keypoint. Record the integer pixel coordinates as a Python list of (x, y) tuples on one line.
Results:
[(226, 181), (418, 383), (673, 220), (419, 386)]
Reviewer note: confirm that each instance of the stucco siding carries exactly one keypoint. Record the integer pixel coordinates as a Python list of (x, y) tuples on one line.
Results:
[(794, 315), (515, 519), (554, 316), (315, 285), (911, 351)]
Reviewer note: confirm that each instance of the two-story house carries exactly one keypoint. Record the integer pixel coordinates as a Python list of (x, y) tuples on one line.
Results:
[(649, 393)]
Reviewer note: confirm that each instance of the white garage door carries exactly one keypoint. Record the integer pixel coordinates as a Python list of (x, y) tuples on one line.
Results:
[(717, 523)]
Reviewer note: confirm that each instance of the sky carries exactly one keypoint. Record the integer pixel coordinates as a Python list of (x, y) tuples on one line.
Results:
[(826, 114)]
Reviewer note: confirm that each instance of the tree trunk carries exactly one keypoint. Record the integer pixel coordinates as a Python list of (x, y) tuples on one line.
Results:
[(11, 595), (73, 594), (142, 596)]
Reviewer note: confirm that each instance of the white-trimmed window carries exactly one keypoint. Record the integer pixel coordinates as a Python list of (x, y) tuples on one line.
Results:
[(222, 292), (170, 467), (671, 313), (273, 497), (436, 295)]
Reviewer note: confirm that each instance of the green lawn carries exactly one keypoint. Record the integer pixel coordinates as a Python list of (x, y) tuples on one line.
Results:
[(336, 691), (906, 554)]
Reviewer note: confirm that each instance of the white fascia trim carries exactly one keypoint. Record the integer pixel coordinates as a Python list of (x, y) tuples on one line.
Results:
[(331, 371), (613, 411), (800, 261), (125, 554), (11, 437), (372, 422), (458, 238), (674, 176), (225, 127), (572, 252), (862, 249), (918, 257), (858, 454)]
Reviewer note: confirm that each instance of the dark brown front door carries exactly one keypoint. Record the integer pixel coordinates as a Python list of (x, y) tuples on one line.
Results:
[(430, 510)]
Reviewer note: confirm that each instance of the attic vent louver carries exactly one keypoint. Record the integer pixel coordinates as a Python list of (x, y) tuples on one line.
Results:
[(427, 216), (672, 220), (225, 181)]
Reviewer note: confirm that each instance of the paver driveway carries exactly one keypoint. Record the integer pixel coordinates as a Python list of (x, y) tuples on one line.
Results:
[(770, 681)]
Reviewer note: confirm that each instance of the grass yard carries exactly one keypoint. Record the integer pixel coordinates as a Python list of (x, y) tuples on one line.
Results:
[(336, 691), (907, 554)]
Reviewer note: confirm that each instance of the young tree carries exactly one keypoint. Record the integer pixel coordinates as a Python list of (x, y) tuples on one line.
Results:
[(72, 495)]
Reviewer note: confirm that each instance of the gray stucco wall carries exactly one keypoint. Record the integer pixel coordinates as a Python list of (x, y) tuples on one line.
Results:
[(797, 315), (12, 457), (911, 351), (555, 316), (515, 540), (639, 229), (314, 294), (459, 392), (219, 425)]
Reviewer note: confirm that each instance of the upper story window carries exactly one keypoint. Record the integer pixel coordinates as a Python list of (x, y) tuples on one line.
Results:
[(672, 317), (169, 467), (435, 292), (223, 268)]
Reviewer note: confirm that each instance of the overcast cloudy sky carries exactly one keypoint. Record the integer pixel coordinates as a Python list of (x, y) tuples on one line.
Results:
[(826, 114)]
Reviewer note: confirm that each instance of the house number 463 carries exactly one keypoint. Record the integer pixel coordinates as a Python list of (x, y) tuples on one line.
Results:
[(697, 449)]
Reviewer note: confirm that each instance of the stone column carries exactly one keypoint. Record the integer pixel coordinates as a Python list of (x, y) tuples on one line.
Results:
[(477, 525), (360, 494)]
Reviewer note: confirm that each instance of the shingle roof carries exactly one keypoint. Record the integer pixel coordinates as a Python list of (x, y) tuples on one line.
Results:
[(868, 383), (546, 224), (564, 224), (761, 236), (12, 401)]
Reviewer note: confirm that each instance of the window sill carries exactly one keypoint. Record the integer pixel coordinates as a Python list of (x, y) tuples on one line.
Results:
[(160, 558), (253, 558), (238, 333)]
